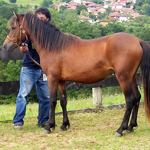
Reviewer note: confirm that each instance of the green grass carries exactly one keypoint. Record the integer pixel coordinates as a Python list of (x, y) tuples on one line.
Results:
[(7, 112), (27, 2), (88, 131), (30, 2)]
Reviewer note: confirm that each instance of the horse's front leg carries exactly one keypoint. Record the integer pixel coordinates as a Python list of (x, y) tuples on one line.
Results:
[(53, 84), (63, 103)]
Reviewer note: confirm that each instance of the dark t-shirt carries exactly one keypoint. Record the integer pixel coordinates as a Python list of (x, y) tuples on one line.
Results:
[(27, 62)]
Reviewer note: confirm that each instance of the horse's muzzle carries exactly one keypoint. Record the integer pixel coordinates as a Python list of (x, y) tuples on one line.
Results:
[(9, 47)]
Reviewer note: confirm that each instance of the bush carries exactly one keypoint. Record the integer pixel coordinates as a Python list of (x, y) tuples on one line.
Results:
[(12, 1), (11, 99)]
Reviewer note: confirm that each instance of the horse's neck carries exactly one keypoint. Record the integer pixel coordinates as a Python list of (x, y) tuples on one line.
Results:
[(35, 43)]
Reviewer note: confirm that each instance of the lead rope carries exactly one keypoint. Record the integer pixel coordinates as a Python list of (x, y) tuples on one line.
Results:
[(33, 59)]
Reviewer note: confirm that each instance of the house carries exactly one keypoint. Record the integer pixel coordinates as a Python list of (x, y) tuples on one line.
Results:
[(82, 18), (103, 22), (134, 15), (77, 1), (123, 10), (119, 17), (114, 5), (90, 4), (57, 5), (70, 5), (102, 10), (123, 2)]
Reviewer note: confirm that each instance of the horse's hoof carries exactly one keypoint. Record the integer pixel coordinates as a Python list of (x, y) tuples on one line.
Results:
[(117, 134), (46, 132), (63, 129), (128, 131)]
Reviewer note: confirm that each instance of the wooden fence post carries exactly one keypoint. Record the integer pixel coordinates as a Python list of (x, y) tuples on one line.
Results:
[(97, 97)]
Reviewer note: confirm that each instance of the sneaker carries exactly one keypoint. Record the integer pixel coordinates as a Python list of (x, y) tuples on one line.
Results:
[(18, 127), (44, 125)]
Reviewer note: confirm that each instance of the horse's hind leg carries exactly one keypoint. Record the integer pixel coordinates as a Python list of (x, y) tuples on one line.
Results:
[(133, 122), (130, 98), (63, 103)]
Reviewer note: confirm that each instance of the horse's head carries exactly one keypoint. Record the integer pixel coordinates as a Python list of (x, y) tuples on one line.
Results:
[(17, 34)]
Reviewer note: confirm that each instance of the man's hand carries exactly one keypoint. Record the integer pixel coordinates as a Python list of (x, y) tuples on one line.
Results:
[(24, 48)]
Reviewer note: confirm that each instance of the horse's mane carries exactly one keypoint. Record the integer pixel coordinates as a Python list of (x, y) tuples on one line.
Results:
[(48, 36)]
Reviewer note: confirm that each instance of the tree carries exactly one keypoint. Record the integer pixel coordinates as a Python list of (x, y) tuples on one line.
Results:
[(142, 33), (80, 8), (128, 4), (147, 10), (82, 29), (98, 1), (55, 16), (67, 1), (113, 27), (147, 1), (2, 3), (12, 70), (35, 7), (68, 14), (101, 15), (139, 3), (3, 30), (97, 31), (92, 16), (12, 1), (108, 11), (46, 3), (8, 11), (2, 66), (62, 8)]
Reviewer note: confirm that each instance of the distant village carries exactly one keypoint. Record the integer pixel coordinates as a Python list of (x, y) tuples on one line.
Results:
[(120, 12)]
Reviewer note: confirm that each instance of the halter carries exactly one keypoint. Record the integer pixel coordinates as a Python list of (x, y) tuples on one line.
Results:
[(15, 42), (21, 31)]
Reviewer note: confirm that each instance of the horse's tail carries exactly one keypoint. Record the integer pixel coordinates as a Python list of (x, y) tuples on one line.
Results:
[(145, 69)]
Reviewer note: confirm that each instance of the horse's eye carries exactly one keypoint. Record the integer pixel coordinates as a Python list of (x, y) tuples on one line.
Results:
[(13, 28)]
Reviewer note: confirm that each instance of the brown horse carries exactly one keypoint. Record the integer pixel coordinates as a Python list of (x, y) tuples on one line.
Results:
[(66, 57)]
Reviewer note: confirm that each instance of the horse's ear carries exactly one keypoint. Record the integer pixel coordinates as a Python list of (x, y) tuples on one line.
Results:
[(16, 15)]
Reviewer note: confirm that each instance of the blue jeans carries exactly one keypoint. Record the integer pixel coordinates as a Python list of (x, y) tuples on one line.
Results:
[(28, 78)]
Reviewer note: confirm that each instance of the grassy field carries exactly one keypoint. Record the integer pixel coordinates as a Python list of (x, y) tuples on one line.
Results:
[(27, 2), (30, 2), (88, 131)]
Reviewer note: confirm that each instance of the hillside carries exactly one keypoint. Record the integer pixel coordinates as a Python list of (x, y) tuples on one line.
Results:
[(27, 2)]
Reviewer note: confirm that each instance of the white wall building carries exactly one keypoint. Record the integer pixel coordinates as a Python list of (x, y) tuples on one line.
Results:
[(78, 1)]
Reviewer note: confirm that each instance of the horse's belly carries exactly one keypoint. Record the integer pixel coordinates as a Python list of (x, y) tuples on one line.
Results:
[(92, 76)]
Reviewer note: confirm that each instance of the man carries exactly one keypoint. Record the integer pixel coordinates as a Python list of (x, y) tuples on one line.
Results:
[(32, 74)]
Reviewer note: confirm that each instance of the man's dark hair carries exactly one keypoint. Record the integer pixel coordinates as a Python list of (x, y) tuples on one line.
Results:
[(44, 11)]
